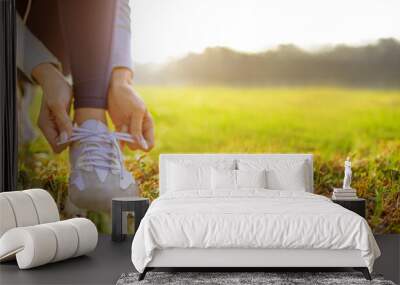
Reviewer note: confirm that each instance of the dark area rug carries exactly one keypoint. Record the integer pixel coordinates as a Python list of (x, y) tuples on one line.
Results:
[(273, 278)]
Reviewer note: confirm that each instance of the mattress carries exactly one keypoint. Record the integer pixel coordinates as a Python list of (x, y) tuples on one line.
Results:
[(250, 219)]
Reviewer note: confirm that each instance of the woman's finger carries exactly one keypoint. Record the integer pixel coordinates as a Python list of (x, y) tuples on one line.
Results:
[(148, 130), (63, 121), (136, 131), (49, 129), (122, 129)]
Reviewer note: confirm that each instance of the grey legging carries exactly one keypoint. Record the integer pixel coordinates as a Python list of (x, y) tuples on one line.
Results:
[(89, 38)]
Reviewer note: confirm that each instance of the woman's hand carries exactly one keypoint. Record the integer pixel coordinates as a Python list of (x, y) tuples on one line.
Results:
[(54, 120), (128, 111)]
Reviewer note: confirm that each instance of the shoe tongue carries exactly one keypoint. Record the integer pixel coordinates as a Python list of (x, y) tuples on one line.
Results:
[(97, 126), (94, 125)]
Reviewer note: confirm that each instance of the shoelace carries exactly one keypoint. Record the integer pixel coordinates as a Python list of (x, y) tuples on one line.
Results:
[(95, 153)]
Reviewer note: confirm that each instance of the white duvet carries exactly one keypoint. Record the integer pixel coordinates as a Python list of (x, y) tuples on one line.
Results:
[(250, 219)]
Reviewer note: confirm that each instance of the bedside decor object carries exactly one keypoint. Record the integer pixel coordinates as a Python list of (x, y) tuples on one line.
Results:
[(123, 208), (31, 231), (356, 205), (344, 194), (347, 174)]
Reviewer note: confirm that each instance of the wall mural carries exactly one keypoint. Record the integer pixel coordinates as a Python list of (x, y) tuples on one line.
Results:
[(102, 92)]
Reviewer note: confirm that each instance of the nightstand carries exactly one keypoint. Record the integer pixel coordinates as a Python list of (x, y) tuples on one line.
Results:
[(355, 205), (122, 205)]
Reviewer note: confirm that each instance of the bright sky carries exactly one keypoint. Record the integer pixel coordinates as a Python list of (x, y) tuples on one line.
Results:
[(165, 29)]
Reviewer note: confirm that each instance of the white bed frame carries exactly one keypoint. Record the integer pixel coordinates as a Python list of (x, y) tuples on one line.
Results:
[(246, 258)]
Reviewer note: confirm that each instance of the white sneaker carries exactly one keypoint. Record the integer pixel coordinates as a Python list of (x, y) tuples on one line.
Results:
[(72, 211), (98, 173)]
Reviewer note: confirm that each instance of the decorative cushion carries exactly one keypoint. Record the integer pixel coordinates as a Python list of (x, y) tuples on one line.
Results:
[(67, 237), (223, 179), (281, 174), (226, 179), (23, 209), (26, 208), (40, 244), (45, 206), (32, 246), (7, 220), (251, 178), (189, 175), (31, 232), (87, 233)]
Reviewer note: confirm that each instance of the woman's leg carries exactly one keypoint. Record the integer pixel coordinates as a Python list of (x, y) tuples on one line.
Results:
[(44, 22), (97, 170), (98, 38), (87, 31)]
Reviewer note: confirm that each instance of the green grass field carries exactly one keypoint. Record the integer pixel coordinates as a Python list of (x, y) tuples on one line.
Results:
[(331, 123), (328, 122)]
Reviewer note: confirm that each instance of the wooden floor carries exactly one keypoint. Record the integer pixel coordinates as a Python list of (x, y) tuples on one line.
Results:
[(111, 259)]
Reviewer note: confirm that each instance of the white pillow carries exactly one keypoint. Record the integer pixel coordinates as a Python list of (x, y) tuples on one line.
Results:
[(188, 177), (282, 174), (188, 174), (237, 179), (292, 179), (223, 179), (251, 178)]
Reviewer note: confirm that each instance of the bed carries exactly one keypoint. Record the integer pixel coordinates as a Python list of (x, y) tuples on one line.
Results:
[(245, 211)]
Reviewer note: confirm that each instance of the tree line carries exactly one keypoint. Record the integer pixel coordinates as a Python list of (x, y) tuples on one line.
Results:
[(373, 65)]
